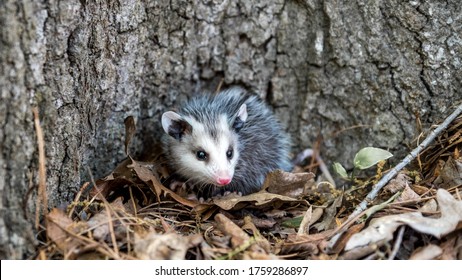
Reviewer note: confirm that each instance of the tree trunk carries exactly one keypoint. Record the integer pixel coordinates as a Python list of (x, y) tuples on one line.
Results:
[(359, 73)]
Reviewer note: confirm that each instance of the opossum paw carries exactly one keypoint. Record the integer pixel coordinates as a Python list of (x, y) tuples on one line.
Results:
[(227, 193), (177, 184)]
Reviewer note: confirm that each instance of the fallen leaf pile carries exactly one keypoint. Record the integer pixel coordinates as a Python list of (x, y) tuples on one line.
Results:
[(134, 213)]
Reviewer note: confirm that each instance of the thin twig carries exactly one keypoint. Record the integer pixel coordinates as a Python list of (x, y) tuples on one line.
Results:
[(100, 247), (42, 188), (108, 209), (398, 241), (77, 198), (111, 228), (395, 170), (324, 169), (315, 154), (135, 211)]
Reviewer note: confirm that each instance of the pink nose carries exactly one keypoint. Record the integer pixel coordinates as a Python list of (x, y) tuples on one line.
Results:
[(223, 181)]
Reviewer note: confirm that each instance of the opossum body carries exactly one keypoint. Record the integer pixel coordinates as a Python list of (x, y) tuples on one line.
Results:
[(225, 142)]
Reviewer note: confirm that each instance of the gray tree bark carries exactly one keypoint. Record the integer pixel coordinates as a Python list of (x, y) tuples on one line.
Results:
[(357, 72)]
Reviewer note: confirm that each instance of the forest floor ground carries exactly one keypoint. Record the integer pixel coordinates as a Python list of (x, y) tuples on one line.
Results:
[(130, 214)]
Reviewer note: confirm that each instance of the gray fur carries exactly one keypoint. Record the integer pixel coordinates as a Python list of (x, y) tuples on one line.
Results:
[(262, 143)]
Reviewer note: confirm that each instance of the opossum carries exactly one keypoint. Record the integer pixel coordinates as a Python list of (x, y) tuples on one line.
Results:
[(226, 142)]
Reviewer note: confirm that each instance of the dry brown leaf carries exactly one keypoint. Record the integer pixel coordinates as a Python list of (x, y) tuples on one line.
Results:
[(310, 217), (261, 241), (120, 177), (302, 244), (240, 241), (168, 246), (258, 256), (288, 184), (359, 253), (428, 252), (450, 175), (382, 229), (398, 184), (106, 188), (429, 207), (263, 223), (261, 198), (304, 228), (100, 225), (238, 236), (329, 215), (341, 242), (58, 227), (147, 175), (317, 214), (452, 247), (204, 211), (420, 190), (288, 248), (458, 247), (276, 213), (137, 173), (283, 232), (407, 194), (121, 171), (130, 129)]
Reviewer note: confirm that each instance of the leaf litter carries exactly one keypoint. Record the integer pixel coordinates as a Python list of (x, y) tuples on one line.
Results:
[(132, 214)]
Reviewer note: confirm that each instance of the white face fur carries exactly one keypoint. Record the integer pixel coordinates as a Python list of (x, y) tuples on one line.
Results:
[(201, 158)]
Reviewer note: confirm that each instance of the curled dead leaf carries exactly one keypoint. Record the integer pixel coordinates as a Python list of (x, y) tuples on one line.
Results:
[(288, 184), (382, 229), (228, 227), (61, 230), (407, 195), (260, 240), (168, 246), (303, 244), (259, 199), (130, 129), (429, 206), (398, 184), (452, 247), (329, 215), (100, 225), (146, 174), (451, 174), (428, 252)]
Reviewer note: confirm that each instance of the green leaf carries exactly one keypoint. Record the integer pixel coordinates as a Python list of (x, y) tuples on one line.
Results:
[(370, 156), (293, 223), (340, 170)]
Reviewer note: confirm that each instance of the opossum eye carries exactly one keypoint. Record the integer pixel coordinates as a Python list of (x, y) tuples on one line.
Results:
[(229, 153), (201, 155)]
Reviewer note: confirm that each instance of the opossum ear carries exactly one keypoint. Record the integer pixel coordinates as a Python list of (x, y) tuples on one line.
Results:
[(174, 125), (240, 118)]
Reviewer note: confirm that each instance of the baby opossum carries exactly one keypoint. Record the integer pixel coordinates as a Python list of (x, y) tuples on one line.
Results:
[(225, 142)]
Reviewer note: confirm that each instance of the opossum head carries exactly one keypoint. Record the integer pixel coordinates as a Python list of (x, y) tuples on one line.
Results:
[(205, 148)]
